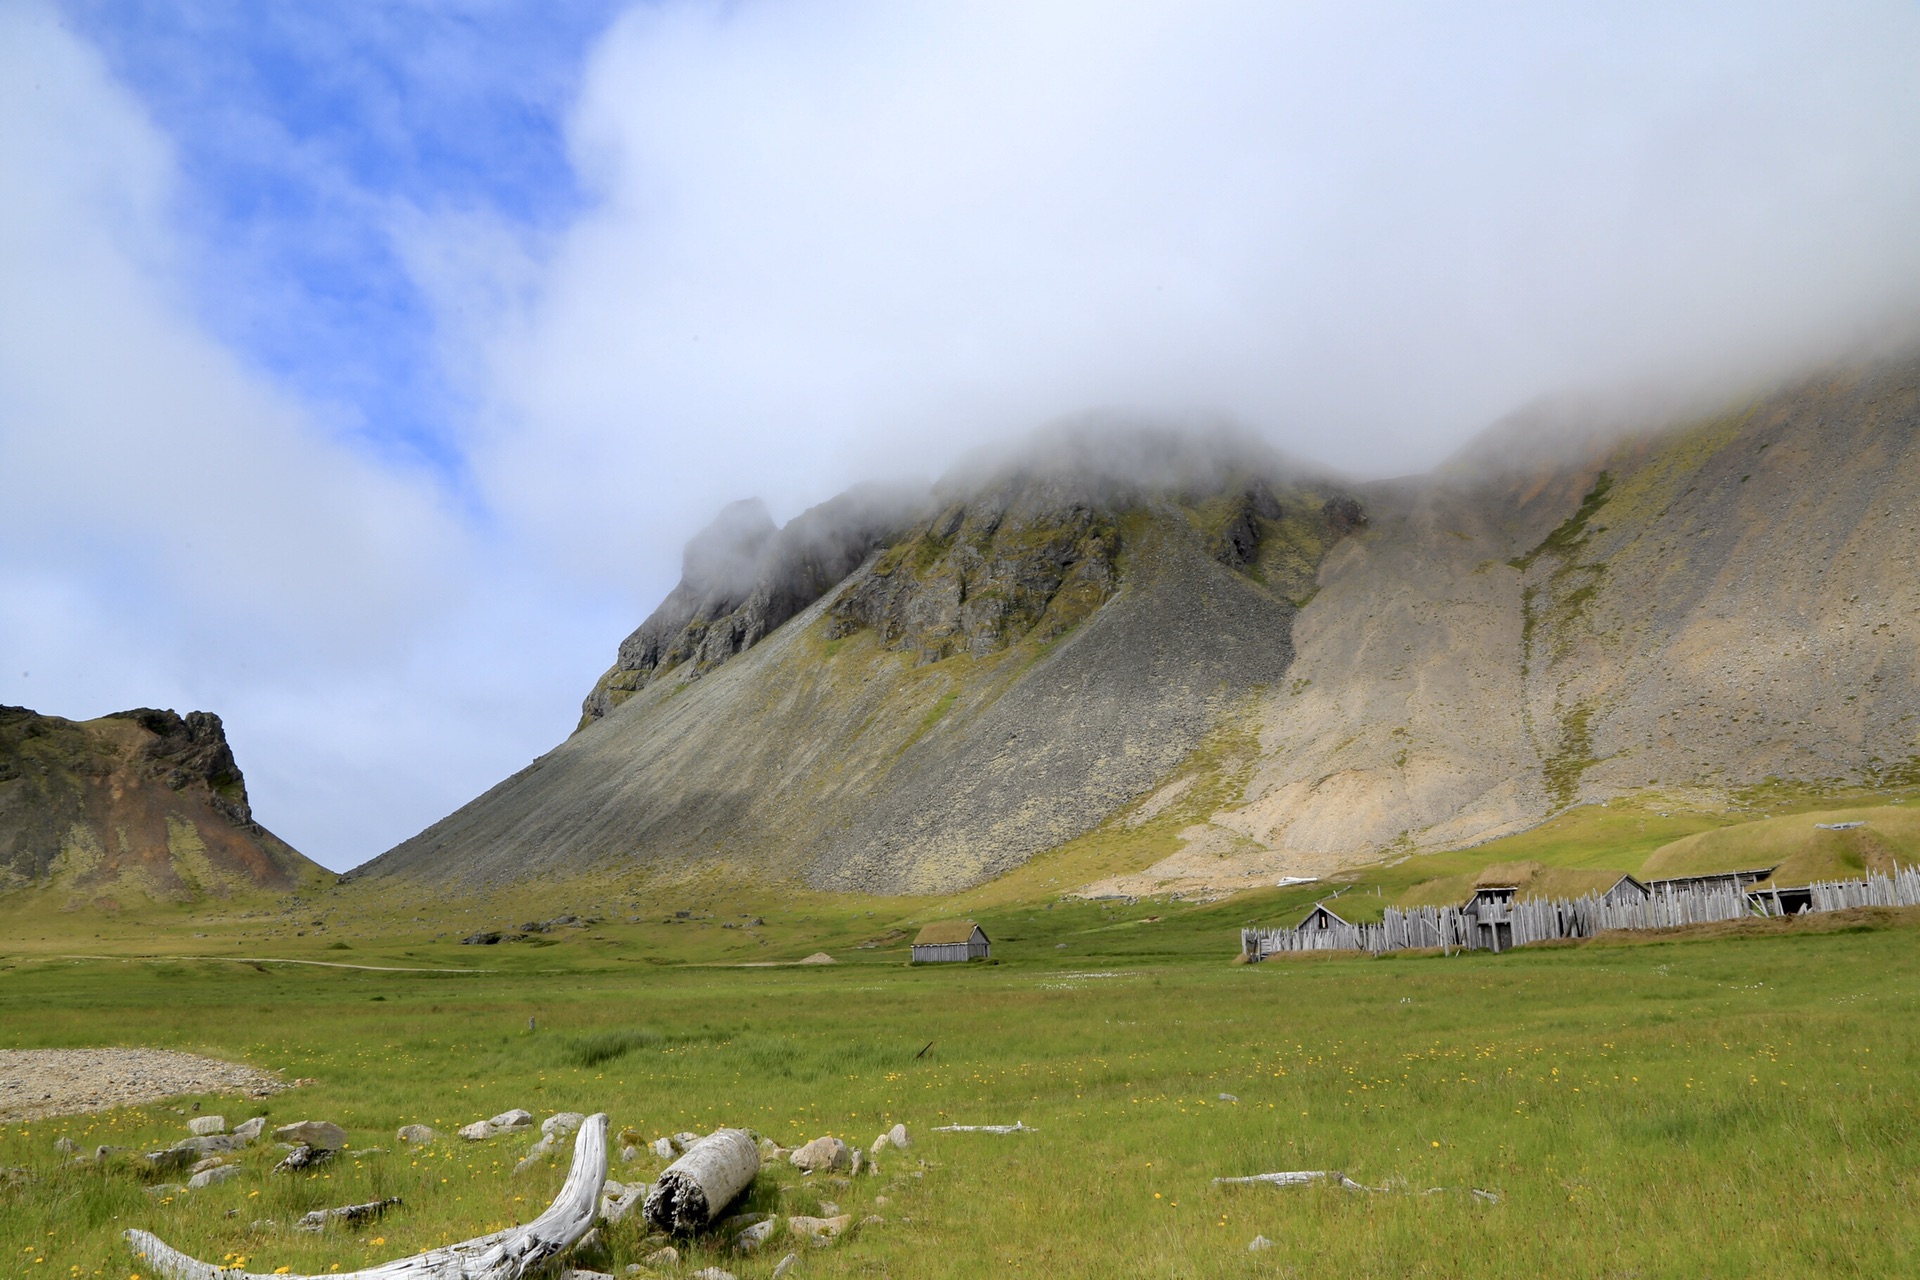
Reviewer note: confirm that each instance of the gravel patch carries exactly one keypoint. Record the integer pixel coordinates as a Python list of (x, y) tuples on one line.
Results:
[(57, 1082)]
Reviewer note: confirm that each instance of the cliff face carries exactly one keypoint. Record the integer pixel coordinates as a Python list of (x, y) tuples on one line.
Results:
[(741, 578), (140, 802), (1003, 675), (1067, 647)]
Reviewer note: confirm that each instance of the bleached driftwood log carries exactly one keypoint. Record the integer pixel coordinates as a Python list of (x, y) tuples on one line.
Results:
[(504, 1255), (1295, 1178), (1015, 1127), (697, 1186)]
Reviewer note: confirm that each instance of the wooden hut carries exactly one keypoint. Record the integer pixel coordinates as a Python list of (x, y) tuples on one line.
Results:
[(945, 940), (1320, 919)]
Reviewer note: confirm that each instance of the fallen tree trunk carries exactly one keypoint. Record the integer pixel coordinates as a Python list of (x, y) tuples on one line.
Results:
[(697, 1186), (1016, 1127), (504, 1255)]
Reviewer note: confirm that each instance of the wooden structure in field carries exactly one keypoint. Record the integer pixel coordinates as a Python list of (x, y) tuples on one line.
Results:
[(1496, 918), (951, 940)]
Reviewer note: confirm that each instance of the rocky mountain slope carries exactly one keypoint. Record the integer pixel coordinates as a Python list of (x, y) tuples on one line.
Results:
[(1284, 673), (141, 802)]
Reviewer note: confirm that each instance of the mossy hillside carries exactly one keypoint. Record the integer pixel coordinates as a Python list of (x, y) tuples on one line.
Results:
[(1799, 848)]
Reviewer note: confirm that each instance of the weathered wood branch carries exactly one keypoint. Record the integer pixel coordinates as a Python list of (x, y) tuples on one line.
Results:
[(503, 1255), (697, 1186), (1015, 1127)]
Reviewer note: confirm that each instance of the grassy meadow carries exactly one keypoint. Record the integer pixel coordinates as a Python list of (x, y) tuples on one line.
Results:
[(1739, 1102)]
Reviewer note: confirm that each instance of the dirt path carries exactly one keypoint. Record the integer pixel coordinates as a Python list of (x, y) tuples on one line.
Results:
[(57, 1082)]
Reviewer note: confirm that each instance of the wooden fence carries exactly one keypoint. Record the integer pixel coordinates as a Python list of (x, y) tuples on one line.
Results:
[(1497, 926)]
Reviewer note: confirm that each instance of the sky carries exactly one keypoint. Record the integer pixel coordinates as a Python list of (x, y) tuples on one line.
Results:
[(364, 368)]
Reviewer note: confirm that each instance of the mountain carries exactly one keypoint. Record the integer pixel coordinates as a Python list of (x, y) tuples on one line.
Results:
[(140, 802), (1207, 663)]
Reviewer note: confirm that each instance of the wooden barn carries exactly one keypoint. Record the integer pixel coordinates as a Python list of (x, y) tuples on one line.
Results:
[(945, 940)]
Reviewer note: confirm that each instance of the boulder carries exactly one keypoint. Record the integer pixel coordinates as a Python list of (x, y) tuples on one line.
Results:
[(249, 1131), (170, 1160), (416, 1134), (663, 1148), (510, 1120), (213, 1142), (478, 1131), (321, 1135), (206, 1126), (208, 1177), (559, 1126), (822, 1153)]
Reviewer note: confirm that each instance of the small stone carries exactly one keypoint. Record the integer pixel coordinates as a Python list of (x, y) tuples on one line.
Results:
[(206, 1126), (208, 1177), (478, 1131), (682, 1141), (712, 1273), (663, 1148), (819, 1232), (880, 1144), (750, 1240), (662, 1259), (65, 1146), (629, 1154), (787, 1264), (514, 1119), (211, 1162), (303, 1157), (829, 1208), (161, 1190), (575, 1273), (170, 1160), (822, 1153), (873, 1220), (249, 1131), (588, 1242), (1259, 1243), (209, 1144), (859, 1162), (898, 1137), (882, 1201), (1227, 1097), (417, 1134), (321, 1135), (559, 1126)]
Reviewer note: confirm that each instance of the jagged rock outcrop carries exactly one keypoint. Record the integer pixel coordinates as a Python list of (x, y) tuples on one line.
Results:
[(741, 577), (1002, 676), (139, 802)]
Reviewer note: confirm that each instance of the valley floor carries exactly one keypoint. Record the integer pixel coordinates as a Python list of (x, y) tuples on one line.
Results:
[(1743, 1104)]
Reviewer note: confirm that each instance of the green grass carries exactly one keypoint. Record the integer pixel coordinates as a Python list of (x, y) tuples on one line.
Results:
[(1734, 1106)]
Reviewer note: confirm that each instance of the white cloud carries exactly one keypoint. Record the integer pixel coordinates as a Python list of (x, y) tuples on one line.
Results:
[(835, 236), (177, 531)]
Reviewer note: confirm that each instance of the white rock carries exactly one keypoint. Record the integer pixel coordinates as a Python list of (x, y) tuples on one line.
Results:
[(208, 1177), (65, 1146), (478, 1131), (416, 1134), (558, 1126), (822, 1153), (1259, 1243), (712, 1273), (756, 1235), (514, 1119), (248, 1131), (787, 1264), (663, 1147), (898, 1137), (206, 1126), (628, 1154), (819, 1231)]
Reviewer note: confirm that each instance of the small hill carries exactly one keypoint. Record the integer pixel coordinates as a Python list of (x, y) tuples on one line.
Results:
[(138, 804), (1803, 847)]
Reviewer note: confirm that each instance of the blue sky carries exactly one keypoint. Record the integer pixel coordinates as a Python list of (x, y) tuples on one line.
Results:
[(363, 368)]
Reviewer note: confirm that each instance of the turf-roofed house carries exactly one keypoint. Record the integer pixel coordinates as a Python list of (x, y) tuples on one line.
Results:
[(946, 940)]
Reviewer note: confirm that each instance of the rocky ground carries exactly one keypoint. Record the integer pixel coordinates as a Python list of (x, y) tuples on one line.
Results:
[(57, 1082)]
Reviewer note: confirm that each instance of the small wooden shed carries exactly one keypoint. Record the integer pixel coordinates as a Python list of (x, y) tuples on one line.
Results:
[(1320, 919), (951, 940)]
